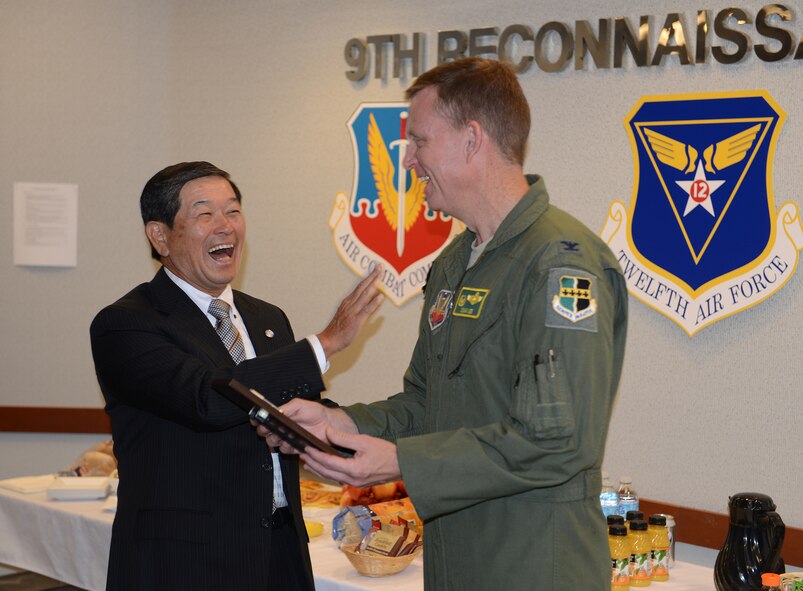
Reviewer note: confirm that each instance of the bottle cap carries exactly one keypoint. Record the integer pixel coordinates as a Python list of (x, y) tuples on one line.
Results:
[(770, 579), (670, 519), (615, 520), (617, 530), (638, 525), (657, 519), (631, 515)]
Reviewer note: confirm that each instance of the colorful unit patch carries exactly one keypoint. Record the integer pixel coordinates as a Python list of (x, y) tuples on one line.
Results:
[(571, 301), (470, 301), (439, 311)]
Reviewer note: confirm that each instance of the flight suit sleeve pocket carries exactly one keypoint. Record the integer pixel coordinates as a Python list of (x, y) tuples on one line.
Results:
[(541, 408)]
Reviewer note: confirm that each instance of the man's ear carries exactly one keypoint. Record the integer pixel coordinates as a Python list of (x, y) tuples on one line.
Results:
[(474, 139), (157, 235)]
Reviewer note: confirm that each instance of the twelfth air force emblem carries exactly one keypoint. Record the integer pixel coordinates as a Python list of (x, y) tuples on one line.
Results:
[(386, 220), (702, 239)]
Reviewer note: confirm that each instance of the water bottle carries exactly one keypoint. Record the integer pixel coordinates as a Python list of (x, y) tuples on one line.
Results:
[(608, 498), (628, 499)]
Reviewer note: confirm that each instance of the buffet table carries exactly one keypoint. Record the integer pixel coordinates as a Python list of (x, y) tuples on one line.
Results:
[(69, 541)]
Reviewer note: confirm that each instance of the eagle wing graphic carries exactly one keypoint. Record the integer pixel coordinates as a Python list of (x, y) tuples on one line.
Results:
[(672, 152), (730, 150), (415, 199), (384, 171), (384, 177)]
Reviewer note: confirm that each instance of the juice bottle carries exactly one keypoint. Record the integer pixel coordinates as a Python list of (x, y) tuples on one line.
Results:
[(620, 557), (660, 548), (640, 554)]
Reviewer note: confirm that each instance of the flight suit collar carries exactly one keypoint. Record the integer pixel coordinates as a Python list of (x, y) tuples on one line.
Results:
[(529, 208)]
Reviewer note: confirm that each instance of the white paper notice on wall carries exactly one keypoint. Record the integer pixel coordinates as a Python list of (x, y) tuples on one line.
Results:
[(46, 224)]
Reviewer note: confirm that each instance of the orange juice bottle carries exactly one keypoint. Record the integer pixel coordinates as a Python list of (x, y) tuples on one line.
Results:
[(620, 557), (640, 554), (660, 548)]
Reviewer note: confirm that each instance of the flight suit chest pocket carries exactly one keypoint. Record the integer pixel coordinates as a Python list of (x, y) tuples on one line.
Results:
[(471, 338), (541, 406)]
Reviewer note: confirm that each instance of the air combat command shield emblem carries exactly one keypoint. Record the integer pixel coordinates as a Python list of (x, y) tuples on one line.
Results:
[(702, 239), (387, 219)]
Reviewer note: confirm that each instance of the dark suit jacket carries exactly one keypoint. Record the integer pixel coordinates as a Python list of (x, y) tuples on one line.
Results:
[(196, 482)]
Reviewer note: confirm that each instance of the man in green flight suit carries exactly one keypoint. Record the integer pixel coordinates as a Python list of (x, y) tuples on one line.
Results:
[(500, 431)]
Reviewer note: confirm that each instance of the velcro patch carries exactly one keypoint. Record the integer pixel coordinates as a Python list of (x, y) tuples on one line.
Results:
[(571, 299), (470, 301)]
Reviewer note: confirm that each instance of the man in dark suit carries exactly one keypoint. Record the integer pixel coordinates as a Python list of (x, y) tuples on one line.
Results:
[(202, 501)]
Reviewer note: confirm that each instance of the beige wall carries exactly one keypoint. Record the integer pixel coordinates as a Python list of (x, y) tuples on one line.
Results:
[(104, 93)]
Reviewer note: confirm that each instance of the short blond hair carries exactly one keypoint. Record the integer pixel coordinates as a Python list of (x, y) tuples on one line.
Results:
[(482, 90)]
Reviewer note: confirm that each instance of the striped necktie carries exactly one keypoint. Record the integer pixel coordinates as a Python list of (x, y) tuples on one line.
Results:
[(226, 330)]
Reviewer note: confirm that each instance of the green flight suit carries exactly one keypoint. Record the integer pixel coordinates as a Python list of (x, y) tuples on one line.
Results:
[(502, 423)]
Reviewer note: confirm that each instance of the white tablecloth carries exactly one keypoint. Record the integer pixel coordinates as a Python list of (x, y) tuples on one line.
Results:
[(69, 541)]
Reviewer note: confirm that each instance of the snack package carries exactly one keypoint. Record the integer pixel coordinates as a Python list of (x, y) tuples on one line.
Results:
[(352, 524), (389, 539)]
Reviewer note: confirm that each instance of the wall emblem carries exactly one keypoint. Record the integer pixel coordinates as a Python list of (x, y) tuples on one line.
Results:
[(387, 219), (702, 239)]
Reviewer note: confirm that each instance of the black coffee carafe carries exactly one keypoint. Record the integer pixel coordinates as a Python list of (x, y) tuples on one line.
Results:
[(753, 544)]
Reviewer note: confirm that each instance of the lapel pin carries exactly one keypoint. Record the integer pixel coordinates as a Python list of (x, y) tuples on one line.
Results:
[(269, 333)]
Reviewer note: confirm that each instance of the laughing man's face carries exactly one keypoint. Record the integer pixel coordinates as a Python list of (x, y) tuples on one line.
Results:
[(205, 244)]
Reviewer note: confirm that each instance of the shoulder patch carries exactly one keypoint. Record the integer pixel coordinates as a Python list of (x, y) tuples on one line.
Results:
[(571, 299)]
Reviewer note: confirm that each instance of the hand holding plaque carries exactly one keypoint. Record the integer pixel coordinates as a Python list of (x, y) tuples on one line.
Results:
[(272, 418)]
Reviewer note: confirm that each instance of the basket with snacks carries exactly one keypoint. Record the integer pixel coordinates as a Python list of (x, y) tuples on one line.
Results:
[(376, 565)]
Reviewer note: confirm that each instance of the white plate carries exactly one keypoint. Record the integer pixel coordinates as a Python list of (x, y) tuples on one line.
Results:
[(66, 488)]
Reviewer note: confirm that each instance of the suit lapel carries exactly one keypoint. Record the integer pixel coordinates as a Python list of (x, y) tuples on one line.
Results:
[(187, 319), (266, 330)]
